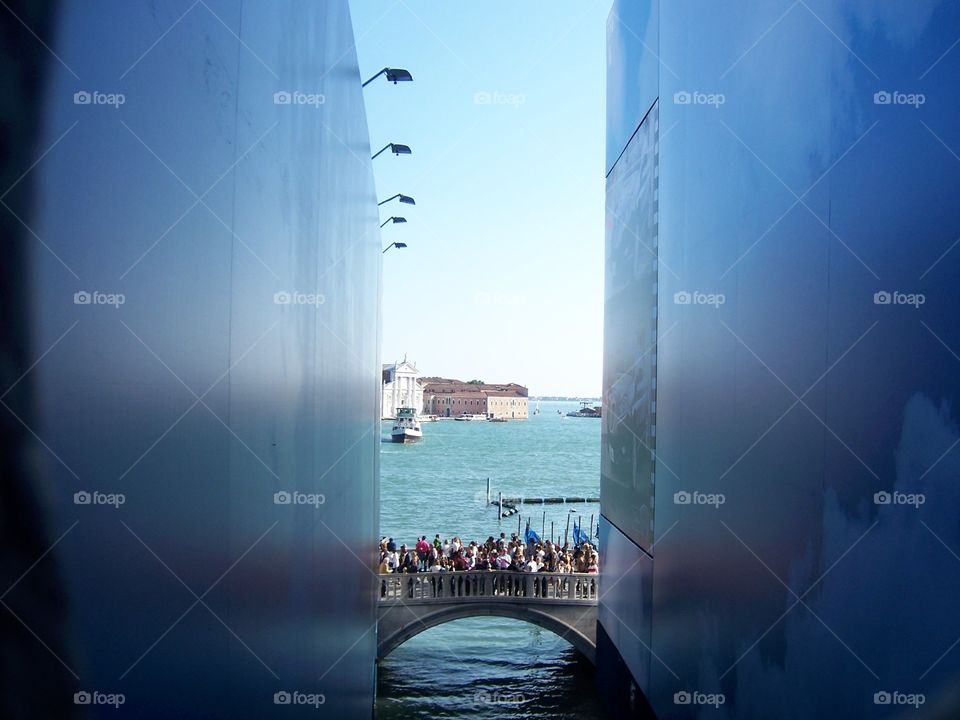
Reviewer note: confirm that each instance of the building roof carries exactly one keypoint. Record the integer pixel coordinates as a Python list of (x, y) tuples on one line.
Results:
[(444, 386)]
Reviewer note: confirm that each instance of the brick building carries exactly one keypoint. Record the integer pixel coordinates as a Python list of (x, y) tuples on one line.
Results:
[(452, 398)]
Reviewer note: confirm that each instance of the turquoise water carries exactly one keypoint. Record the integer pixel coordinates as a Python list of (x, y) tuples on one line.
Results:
[(488, 668)]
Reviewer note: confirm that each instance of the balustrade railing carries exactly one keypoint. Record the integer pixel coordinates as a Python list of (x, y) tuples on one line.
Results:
[(488, 585)]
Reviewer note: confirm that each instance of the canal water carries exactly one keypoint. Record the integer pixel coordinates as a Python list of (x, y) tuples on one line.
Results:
[(488, 668)]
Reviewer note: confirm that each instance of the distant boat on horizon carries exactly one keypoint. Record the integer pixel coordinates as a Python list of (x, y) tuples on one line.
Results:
[(587, 410)]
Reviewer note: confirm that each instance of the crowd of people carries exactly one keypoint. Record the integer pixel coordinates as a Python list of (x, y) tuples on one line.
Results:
[(514, 554)]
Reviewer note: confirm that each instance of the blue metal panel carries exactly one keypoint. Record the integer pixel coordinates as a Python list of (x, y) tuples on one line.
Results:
[(807, 360), (240, 227), (633, 46), (630, 335)]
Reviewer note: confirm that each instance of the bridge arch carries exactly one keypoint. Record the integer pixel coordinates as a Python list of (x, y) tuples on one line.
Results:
[(574, 623)]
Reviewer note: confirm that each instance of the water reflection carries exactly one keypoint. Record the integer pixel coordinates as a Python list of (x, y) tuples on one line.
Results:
[(489, 669)]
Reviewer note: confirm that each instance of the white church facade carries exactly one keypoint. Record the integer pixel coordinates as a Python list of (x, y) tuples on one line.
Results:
[(401, 388)]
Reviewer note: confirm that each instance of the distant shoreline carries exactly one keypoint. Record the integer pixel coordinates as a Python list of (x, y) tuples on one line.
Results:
[(559, 398)]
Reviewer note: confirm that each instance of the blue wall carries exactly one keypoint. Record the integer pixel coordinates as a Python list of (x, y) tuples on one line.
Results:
[(199, 199), (790, 192)]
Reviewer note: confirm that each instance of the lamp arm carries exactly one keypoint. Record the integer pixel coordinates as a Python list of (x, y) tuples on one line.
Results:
[(374, 78)]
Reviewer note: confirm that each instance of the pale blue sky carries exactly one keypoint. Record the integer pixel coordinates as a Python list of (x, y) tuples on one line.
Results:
[(503, 276)]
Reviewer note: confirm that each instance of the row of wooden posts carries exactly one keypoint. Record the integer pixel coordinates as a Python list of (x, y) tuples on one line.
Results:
[(512, 509)]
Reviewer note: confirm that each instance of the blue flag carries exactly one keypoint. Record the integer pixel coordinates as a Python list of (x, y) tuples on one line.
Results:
[(579, 536), (530, 535)]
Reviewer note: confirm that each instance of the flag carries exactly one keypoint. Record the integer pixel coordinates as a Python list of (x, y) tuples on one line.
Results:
[(579, 536), (530, 535)]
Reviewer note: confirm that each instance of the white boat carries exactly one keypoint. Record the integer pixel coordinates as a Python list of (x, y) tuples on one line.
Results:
[(470, 417), (406, 428)]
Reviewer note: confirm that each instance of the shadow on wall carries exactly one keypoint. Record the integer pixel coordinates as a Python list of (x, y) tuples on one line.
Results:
[(912, 596), (32, 681)]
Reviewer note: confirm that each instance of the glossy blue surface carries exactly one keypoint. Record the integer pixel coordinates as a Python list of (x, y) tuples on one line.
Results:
[(199, 199), (808, 160)]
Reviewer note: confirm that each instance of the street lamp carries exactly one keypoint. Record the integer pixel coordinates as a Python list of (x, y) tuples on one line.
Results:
[(395, 148), (405, 199), (394, 75), (398, 245), (395, 220)]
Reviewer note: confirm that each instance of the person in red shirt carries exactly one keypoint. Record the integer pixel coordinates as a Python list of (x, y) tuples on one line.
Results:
[(423, 551)]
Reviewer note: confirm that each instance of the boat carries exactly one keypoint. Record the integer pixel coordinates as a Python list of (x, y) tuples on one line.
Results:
[(587, 410), (496, 419), (406, 428), (469, 417), (537, 410), (427, 418)]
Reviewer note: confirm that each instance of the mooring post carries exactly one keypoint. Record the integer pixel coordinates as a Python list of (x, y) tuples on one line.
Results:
[(591, 527), (566, 532), (500, 504), (543, 529), (518, 525), (488, 491), (552, 539)]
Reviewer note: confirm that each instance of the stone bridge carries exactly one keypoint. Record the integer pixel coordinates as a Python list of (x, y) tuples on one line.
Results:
[(564, 603)]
